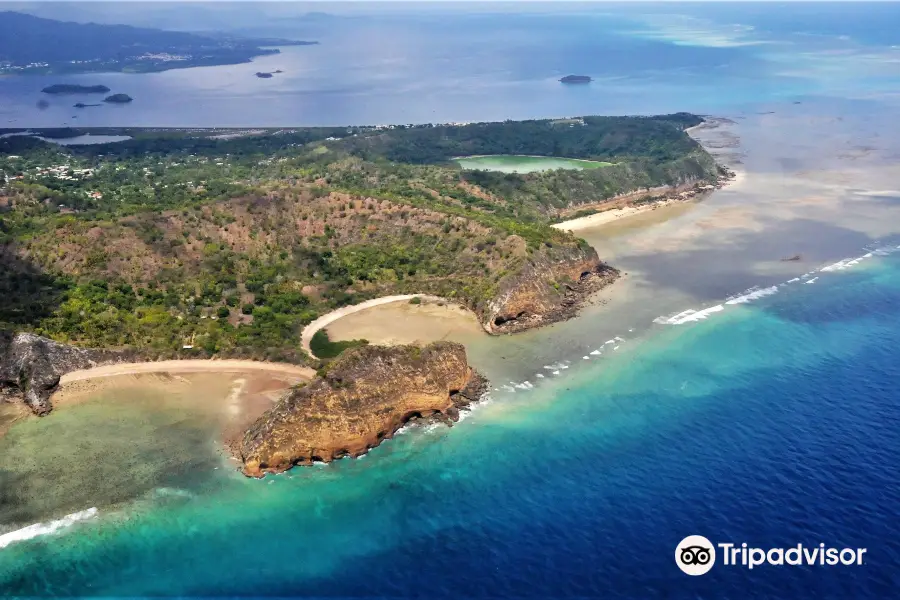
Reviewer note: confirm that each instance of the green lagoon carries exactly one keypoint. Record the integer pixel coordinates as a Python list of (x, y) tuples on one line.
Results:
[(511, 163)]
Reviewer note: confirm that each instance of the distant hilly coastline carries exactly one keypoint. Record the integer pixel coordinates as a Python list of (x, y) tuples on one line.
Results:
[(95, 48)]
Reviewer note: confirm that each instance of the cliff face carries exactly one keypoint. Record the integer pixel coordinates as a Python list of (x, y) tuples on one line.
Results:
[(365, 396), (30, 366), (550, 288)]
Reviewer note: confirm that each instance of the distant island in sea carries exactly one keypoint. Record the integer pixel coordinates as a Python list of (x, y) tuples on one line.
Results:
[(118, 99), (99, 48), (70, 88), (576, 79)]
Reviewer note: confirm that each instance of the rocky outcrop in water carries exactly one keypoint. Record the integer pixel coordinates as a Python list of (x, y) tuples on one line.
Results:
[(361, 399), (552, 287), (30, 367)]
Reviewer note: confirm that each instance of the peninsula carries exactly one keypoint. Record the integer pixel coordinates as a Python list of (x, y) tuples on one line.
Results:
[(360, 400), (68, 88), (25, 47), (242, 244)]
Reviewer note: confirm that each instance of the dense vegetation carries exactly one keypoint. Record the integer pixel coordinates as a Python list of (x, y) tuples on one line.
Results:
[(225, 242), (324, 348)]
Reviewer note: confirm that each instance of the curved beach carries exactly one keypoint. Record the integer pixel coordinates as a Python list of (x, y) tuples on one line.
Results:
[(310, 330)]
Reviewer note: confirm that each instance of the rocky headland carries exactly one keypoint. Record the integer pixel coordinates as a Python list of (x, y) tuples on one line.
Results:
[(359, 400), (550, 288), (31, 366)]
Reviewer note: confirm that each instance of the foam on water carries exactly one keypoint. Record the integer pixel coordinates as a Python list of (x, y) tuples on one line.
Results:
[(752, 294), (692, 315), (40, 529), (689, 316)]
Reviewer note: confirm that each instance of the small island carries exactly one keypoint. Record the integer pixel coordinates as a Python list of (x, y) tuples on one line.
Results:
[(262, 75), (118, 99), (69, 88), (576, 79)]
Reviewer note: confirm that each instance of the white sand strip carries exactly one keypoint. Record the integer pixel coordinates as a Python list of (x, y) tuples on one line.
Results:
[(189, 366)]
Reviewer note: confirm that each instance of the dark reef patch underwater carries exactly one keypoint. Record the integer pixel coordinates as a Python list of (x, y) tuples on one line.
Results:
[(772, 424)]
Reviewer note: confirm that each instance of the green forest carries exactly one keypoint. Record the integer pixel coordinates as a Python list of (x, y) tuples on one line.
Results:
[(232, 243)]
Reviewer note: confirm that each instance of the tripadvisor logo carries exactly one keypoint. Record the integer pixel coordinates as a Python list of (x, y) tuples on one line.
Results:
[(696, 555)]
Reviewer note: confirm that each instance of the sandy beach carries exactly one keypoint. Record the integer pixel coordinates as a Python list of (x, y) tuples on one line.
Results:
[(611, 216), (376, 331), (190, 366), (614, 215), (400, 322)]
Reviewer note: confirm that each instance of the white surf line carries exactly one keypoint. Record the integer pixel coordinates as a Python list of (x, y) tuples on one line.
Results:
[(39, 529), (692, 315), (689, 316), (752, 294)]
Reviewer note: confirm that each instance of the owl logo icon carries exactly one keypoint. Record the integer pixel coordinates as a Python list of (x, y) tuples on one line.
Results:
[(695, 555)]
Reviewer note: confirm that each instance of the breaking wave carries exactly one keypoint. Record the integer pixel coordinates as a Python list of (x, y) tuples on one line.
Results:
[(40, 529), (692, 315)]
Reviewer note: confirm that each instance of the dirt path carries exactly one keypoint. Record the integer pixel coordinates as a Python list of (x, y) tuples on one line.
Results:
[(188, 366), (310, 330)]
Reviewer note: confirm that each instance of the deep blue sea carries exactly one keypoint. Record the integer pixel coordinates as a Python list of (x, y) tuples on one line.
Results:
[(774, 421)]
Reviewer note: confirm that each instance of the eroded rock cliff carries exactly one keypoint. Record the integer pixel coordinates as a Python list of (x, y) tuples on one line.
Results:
[(361, 399), (30, 367), (550, 288)]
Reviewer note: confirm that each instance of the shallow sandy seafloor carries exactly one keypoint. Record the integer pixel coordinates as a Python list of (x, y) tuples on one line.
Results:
[(818, 183), (112, 440)]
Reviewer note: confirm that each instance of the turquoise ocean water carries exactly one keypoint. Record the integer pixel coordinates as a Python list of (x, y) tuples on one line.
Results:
[(773, 422)]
